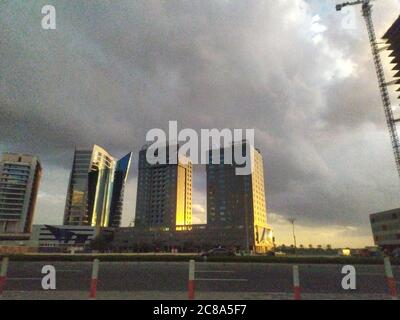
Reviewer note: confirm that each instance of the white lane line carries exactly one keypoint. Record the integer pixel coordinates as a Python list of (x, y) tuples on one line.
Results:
[(370, 274), (17, 279), (215, 271), (219, 279)]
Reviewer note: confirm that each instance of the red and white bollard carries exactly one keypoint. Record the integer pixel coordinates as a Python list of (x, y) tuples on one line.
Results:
[(191, 280), (93, 284), (296, 283), (390, 278), (3, 274)]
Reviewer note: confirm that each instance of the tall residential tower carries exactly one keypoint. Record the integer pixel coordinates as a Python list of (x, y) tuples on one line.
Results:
[(164, 193), (19, 183)]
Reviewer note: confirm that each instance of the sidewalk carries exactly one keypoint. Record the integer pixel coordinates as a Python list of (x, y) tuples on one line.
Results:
[(180, 295)]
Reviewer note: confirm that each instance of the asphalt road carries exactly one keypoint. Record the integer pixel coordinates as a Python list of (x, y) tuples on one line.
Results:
[(211, 277)]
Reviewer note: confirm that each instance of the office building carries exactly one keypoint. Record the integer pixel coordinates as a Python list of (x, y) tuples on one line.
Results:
[(164, 193), (19, 183), (237, 202), (95, 191), (386, 228)]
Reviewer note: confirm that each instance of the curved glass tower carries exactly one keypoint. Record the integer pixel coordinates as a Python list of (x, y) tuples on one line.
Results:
[(120, 176), (95, 192)]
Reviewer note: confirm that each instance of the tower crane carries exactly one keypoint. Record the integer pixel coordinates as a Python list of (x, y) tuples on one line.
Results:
[(390, 119)]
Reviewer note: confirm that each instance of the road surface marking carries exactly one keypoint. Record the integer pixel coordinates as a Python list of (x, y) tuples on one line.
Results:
[(370, 274), (16, 279), (219, 279), (215, 271)]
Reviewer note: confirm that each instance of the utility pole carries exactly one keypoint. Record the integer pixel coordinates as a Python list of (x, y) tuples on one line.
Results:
[(292, 220), (390, 120)]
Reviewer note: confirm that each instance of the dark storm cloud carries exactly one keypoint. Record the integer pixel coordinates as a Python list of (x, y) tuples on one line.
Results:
[(114, 69)]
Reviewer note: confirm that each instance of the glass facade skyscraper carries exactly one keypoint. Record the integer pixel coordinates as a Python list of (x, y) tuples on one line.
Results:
[(237, 202), (95, 191), (19, 183), (120, 176)]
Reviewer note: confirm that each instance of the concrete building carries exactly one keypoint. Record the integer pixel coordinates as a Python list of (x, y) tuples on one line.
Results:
[(164, 193), (95, 191), (386, 228), (19, 183), (238, 201)]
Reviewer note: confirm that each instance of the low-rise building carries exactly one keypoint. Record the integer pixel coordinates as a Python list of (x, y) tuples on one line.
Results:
[(62, 238), (386, 228), (193, 238)]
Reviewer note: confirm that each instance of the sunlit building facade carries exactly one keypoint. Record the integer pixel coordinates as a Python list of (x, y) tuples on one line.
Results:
[(237, 202), (19, 183), (164, 193), (95, 191)]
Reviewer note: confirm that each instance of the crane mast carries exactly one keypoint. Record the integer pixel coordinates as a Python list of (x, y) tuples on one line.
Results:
[(390, 120)]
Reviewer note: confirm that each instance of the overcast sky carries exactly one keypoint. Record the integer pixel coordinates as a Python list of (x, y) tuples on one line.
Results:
[(296, 71)]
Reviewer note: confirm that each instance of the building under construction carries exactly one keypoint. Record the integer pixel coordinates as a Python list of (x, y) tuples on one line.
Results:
[(366, 7), (392, 37), (386, 225)]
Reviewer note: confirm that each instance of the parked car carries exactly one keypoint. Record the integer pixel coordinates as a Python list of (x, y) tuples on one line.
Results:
[(280, 254), (220, 252)]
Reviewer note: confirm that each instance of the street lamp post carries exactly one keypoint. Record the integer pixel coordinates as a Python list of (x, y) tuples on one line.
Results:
[(292, 220)]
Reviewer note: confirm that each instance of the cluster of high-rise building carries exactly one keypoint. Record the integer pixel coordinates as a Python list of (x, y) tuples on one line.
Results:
[(236, 206), (94, 197)]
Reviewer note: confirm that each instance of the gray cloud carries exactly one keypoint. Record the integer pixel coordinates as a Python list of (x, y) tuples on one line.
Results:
[(114, 69)]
